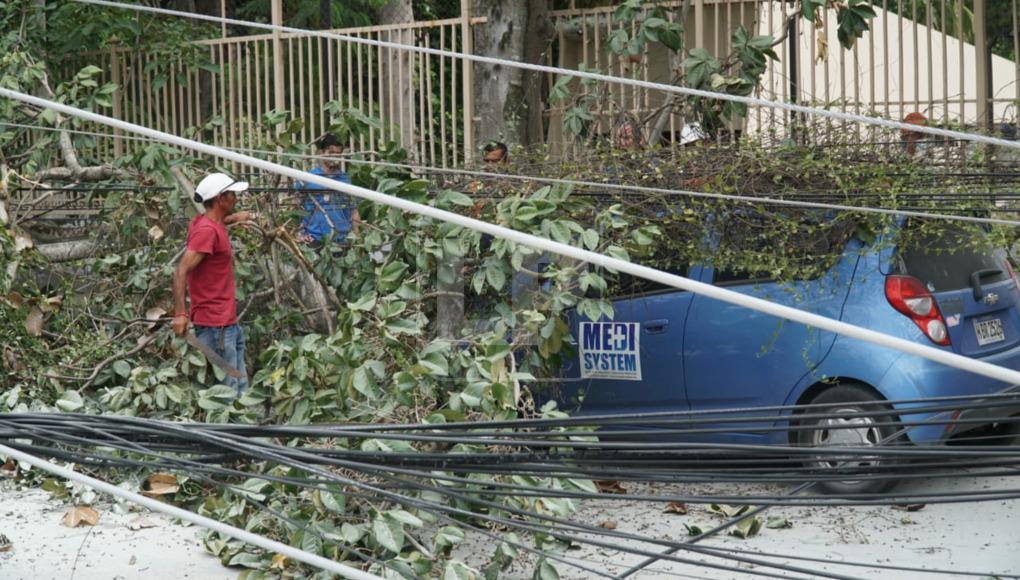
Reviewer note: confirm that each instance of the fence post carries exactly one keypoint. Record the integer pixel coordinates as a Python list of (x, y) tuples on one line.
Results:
[(223, 14), (985, 111), (118, 112), (468, 85), (279, 102)]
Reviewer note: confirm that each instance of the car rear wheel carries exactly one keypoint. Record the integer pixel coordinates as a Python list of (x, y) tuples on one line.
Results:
[(841, 428)]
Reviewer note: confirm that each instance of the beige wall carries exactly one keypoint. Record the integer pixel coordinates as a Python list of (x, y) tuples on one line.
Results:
[(897, 67)]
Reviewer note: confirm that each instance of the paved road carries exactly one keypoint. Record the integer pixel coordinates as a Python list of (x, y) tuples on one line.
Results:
[(976, 537)]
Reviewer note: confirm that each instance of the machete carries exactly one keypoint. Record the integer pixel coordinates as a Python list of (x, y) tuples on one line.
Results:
[(212, 356)]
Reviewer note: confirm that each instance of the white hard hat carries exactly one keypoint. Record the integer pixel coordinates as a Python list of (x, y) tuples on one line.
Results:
[(690, 133), (215, 184)]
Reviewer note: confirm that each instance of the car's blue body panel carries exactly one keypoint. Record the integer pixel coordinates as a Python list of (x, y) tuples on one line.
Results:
[(701, 354)]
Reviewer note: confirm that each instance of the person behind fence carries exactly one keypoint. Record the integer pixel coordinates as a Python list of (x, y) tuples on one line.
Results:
[(206, 273), (327, 210)]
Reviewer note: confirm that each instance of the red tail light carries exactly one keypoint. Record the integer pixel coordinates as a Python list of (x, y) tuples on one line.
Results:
[(909, 296)]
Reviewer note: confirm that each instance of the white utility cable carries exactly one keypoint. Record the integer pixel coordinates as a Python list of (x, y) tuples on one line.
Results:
[(751, 101), (594, 184), (173, 511), (945, 357)]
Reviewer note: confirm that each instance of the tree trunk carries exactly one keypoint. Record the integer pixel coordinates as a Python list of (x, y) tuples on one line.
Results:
[(508, 101), (397, 97)]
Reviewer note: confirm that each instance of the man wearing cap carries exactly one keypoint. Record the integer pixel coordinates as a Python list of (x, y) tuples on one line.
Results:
[(206, 271)]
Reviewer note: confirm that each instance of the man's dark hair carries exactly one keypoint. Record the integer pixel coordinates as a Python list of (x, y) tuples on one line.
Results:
[(495, 146), (328, 140)]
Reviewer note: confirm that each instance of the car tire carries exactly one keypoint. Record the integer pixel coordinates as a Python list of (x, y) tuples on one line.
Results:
[(847, 398)]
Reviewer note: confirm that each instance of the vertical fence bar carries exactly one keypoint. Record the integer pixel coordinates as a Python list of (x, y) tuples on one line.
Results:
[(871, 67), (858, 75), (984, 110), (421, 118), (362, 106), (469, 112), (403, 106), (261, 56), (375, 54), (251, 67), (279, 91), (427, 71), (442, 98), (885, 53), (301, 97), (931, 62), (233, 122), (118, 93), (916, 58), (1016, 58), (453, 96), (349, 65), (900, 59), (945, 67), (173, 88), (324, 74)]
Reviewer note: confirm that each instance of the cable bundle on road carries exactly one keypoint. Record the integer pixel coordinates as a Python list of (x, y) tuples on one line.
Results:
[(437, 471)]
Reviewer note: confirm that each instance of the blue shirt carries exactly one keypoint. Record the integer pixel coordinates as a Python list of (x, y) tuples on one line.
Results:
[(336, 208)]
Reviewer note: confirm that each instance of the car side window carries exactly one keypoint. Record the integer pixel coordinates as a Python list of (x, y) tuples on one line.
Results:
[(724, 277), (623, 285)]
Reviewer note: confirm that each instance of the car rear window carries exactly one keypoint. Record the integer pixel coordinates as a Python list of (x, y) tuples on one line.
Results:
[(944, 258)]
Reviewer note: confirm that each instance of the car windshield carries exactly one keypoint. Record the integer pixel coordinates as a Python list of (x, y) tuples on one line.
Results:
[(944, 258)]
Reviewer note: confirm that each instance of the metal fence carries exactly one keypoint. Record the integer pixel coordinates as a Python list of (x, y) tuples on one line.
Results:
[(917, 60), (419, 98), (925, 56)]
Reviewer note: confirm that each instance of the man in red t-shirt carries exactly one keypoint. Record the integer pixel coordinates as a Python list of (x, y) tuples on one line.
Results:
[(206, 271)]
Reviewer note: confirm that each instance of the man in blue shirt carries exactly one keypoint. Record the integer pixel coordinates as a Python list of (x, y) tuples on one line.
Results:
[(327, 210)]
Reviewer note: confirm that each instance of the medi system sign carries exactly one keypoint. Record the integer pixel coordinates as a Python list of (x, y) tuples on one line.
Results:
[(611, 350)]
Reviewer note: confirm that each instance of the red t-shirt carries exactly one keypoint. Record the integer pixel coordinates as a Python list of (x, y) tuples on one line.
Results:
[(211, 283)]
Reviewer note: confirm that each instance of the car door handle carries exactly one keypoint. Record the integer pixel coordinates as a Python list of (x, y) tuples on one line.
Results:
[(655, 326)]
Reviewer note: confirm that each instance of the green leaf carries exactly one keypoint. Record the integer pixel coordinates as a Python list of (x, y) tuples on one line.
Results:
[(392, 275), (808, 8), (435, 364), (700, 65), (546, 571), (88, 71), (618, 40), (498, 350), (70, 402), (334, 502), (561, 90), (365, 303), (122, 368), (388, 533), (405, 517), (351, 533), (746, 528), (448, 536), (494, 274), (778, 522), (456, 570), (246, 559), (453, 197)]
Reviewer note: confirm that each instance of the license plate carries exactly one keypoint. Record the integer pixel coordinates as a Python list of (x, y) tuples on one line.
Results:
[(989, 331)]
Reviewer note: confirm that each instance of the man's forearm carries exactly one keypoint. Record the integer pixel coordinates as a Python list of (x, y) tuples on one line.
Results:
[(179, 287)]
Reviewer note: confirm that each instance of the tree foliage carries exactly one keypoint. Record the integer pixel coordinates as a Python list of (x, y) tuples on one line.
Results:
[(90, 337)]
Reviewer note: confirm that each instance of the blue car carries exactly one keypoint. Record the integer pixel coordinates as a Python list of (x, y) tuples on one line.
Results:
[(671, 350)]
